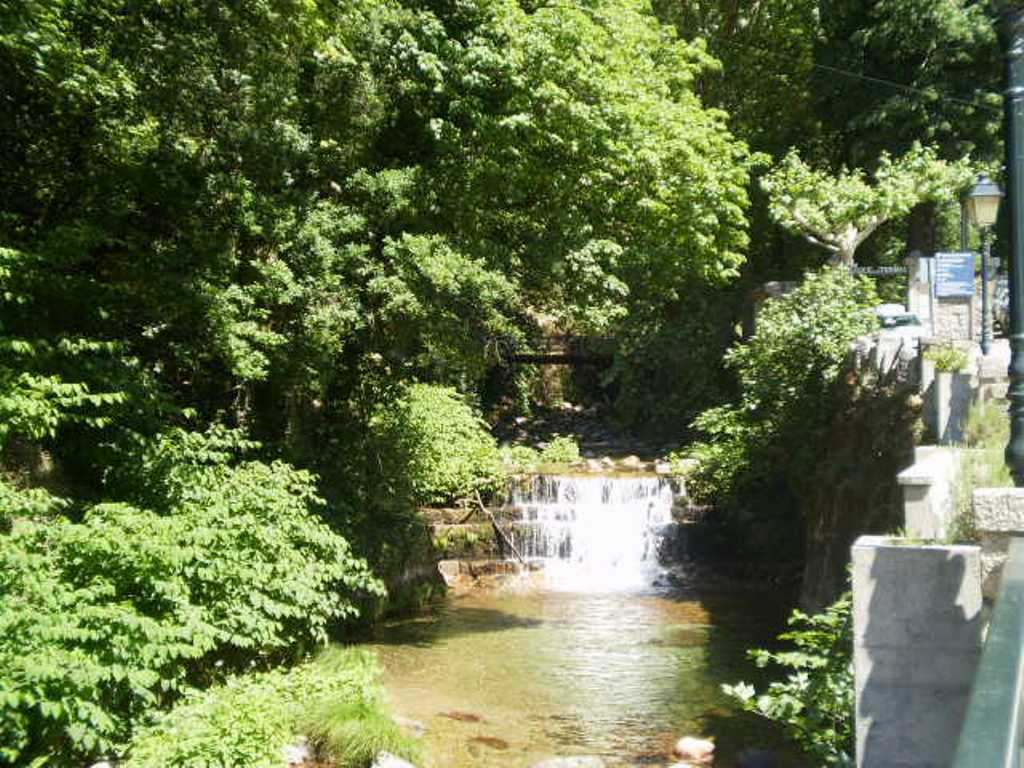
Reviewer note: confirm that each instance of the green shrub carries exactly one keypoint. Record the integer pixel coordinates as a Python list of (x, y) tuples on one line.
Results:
[(561, 450), (786, 371), (433, 446), (130, 607), (249, 719), (815, 703), (517, 459)]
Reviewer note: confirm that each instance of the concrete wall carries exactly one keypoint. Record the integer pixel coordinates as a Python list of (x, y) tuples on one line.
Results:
[(917, 639)]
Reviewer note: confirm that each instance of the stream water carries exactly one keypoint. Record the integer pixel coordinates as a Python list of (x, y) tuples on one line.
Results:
[(593, 659)]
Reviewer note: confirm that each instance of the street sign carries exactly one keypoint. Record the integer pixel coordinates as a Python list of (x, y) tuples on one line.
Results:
[(880, 271), (954, 274)]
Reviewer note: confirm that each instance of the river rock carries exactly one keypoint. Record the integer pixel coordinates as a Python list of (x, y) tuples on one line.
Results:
[(587, 761), (757, 758), (631, 462), (387, 760), (415, 727), (694, 750), (461, 716), (295, 754)]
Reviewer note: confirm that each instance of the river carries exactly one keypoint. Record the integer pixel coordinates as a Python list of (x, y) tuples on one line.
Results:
[(575, 666)]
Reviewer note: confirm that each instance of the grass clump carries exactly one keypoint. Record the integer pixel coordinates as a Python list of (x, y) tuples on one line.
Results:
[(983, 466), (947, 358), (352, 732)]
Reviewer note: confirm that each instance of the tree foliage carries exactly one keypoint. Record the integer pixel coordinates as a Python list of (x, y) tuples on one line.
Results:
[(839, 212)]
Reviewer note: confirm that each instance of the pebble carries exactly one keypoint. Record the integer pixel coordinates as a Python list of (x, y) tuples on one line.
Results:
[(571, 762), (694, 750), (295, 754), (413, 726), (387, 760)]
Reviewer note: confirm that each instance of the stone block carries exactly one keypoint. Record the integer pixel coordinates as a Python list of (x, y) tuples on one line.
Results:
[(917, 639), (998, 514), (999, 510)]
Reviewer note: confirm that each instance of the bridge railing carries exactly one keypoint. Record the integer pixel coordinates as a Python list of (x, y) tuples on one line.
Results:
[(993, 729)]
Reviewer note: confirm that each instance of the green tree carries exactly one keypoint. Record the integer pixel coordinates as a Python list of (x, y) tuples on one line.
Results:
[(839, 212)]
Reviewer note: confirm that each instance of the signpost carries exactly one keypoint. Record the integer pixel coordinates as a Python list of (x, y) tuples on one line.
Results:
[(954, 275), (880, 271)]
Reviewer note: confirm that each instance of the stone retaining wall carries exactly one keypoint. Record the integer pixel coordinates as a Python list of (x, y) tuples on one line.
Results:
[(998, 515)]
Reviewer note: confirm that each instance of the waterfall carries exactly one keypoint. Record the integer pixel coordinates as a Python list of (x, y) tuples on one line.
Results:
[(592, 532)]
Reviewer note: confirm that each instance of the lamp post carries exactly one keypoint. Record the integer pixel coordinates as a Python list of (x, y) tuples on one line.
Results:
[(982, 205), (1013, 34)]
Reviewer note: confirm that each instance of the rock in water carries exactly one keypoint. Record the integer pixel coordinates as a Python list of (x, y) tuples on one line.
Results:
[(694, 750), (463, 717), (758, 758), (571, 762), (415, 727), (387, 760), (295, 754)]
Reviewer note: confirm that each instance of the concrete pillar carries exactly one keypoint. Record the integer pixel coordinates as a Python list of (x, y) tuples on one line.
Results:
[(917, 639), (929, 488), (951, 396)]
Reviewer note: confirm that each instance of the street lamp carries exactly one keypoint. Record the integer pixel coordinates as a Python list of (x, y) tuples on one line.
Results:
[(1013, 41), (982, 207)]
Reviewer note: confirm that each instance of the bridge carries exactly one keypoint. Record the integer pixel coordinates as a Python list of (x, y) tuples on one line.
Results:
[(556, 349)]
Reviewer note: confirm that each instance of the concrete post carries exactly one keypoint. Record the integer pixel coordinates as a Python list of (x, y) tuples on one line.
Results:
[(917, 639)]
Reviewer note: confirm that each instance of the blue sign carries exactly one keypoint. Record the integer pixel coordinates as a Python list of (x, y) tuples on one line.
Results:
[(954, 274)]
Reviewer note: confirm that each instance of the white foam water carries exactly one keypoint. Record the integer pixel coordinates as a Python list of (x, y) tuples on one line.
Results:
[(593, 533)]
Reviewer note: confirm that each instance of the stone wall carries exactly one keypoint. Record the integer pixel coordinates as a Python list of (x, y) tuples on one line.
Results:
[(998, 515), (854, 490)]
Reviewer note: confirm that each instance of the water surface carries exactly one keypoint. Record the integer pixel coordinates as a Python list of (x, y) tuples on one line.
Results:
[(506, 678)]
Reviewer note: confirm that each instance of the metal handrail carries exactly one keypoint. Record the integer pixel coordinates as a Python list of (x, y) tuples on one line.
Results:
[(992, 733)]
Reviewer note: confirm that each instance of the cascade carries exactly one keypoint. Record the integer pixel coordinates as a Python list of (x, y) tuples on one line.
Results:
[(593, 532)]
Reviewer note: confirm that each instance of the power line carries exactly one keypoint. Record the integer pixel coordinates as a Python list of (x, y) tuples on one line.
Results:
[(878, 81), (909, 88)]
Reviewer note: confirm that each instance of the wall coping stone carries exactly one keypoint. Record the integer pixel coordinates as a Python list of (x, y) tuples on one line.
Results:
[(932, 463)]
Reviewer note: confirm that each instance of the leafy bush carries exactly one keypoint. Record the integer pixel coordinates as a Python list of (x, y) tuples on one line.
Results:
[(561, 450), (249, 719), (433, 445), (519, 458), (786, 373), (815, 703), (130, 606)]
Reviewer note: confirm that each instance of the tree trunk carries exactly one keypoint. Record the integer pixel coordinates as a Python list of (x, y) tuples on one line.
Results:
[(921, 228)]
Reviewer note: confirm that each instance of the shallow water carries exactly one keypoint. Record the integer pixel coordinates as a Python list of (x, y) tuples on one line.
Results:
[(504, 679)]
